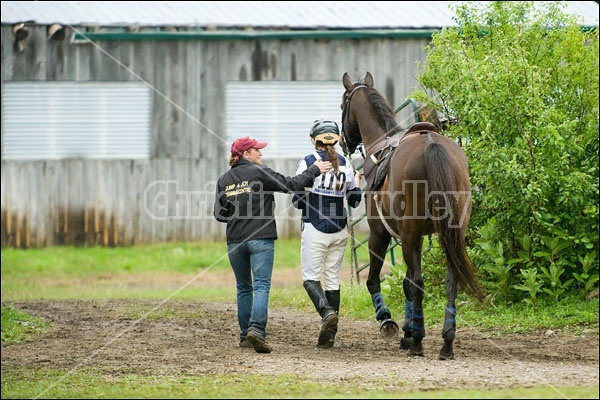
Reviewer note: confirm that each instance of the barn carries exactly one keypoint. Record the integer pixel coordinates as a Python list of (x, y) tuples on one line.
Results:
[(117, 117)]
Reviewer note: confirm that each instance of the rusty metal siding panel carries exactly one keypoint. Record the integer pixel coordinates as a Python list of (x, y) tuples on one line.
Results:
[(55, 120)]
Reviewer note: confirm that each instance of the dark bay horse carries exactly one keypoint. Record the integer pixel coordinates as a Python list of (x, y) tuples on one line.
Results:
[(424, 189)]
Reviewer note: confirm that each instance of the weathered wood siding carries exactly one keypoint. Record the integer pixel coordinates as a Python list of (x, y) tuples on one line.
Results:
[(101, 202), (122, 202)]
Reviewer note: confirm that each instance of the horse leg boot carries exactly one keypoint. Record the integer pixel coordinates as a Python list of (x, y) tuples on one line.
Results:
[(406, 341), (329, 318), (333, 297)]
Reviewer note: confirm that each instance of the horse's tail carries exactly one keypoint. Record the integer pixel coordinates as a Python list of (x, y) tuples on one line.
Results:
[(448, 215)]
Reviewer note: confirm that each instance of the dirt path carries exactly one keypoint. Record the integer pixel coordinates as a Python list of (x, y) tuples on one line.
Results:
[(137, 337)]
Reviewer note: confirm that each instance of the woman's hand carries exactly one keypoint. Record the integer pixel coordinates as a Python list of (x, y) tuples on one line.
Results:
[(324, 166)]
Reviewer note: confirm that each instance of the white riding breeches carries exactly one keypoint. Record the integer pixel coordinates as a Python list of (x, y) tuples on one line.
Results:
[(322, 255)]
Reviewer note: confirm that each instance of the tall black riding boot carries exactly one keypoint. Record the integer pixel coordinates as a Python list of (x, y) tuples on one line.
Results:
[(328, 315), (333, 297)]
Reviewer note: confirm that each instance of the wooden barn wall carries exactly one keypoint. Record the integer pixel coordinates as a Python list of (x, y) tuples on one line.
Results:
[(118, 202), (80, 201)]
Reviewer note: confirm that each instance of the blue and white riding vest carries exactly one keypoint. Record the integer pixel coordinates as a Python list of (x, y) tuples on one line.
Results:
[(322, 204)]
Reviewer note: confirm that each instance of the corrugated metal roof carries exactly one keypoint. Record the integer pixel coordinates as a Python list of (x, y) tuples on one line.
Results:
[(257, 14)]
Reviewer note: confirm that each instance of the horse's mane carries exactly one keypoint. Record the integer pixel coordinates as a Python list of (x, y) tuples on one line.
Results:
[(385, 114)]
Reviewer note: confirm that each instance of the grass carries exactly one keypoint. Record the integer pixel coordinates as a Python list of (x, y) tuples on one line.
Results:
[(85, 261), (107, 273), (103, 273), (57, 383), (18, 326)]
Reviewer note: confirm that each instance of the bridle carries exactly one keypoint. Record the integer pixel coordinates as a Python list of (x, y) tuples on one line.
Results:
[(347, 145)]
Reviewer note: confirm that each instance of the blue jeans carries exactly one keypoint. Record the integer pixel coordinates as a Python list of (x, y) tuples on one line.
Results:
[(252, 264)]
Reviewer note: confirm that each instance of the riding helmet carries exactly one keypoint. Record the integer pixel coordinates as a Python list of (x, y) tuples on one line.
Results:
[(325, 131)]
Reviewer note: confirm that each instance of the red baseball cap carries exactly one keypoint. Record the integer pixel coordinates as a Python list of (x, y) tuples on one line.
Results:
[(244, 144)]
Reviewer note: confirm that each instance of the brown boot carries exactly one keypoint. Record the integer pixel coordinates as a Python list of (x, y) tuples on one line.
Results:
[(258, 342)]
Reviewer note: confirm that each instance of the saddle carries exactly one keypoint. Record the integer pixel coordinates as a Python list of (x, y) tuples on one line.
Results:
[(376, 165)]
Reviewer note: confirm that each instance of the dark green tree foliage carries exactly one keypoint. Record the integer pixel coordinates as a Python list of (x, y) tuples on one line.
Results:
[(521, 79)]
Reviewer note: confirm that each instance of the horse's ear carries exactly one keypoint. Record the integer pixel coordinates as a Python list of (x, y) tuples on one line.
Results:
[(347, 81), (369, 79)]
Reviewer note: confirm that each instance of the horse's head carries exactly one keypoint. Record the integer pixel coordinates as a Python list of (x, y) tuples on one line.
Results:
[(350, 137)]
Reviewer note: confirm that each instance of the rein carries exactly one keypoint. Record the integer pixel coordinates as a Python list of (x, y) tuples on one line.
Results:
[(368, 151), (344, 113), (391, 141), (362, 150)]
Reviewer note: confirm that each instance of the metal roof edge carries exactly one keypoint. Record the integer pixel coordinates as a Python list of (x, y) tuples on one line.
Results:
[(80, 37)]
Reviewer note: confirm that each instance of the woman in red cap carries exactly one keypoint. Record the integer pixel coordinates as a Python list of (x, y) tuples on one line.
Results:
[(245, 201)]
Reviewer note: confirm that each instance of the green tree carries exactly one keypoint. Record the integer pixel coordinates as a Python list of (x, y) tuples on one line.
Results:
[(521, 80)]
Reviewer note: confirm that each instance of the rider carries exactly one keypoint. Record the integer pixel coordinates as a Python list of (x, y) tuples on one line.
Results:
[(324, 220)]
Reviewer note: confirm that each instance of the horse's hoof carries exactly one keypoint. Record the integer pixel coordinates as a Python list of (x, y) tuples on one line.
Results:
[(405, 343), (447, 350), (389, 329), (416, 350)]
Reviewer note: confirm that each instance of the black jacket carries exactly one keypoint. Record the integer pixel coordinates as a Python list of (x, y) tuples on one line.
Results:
[(244, 199)]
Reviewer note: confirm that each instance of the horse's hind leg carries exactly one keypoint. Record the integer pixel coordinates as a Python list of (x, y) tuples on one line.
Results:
[(411, 250), (406, 341), (449, 329), (377, 249)]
